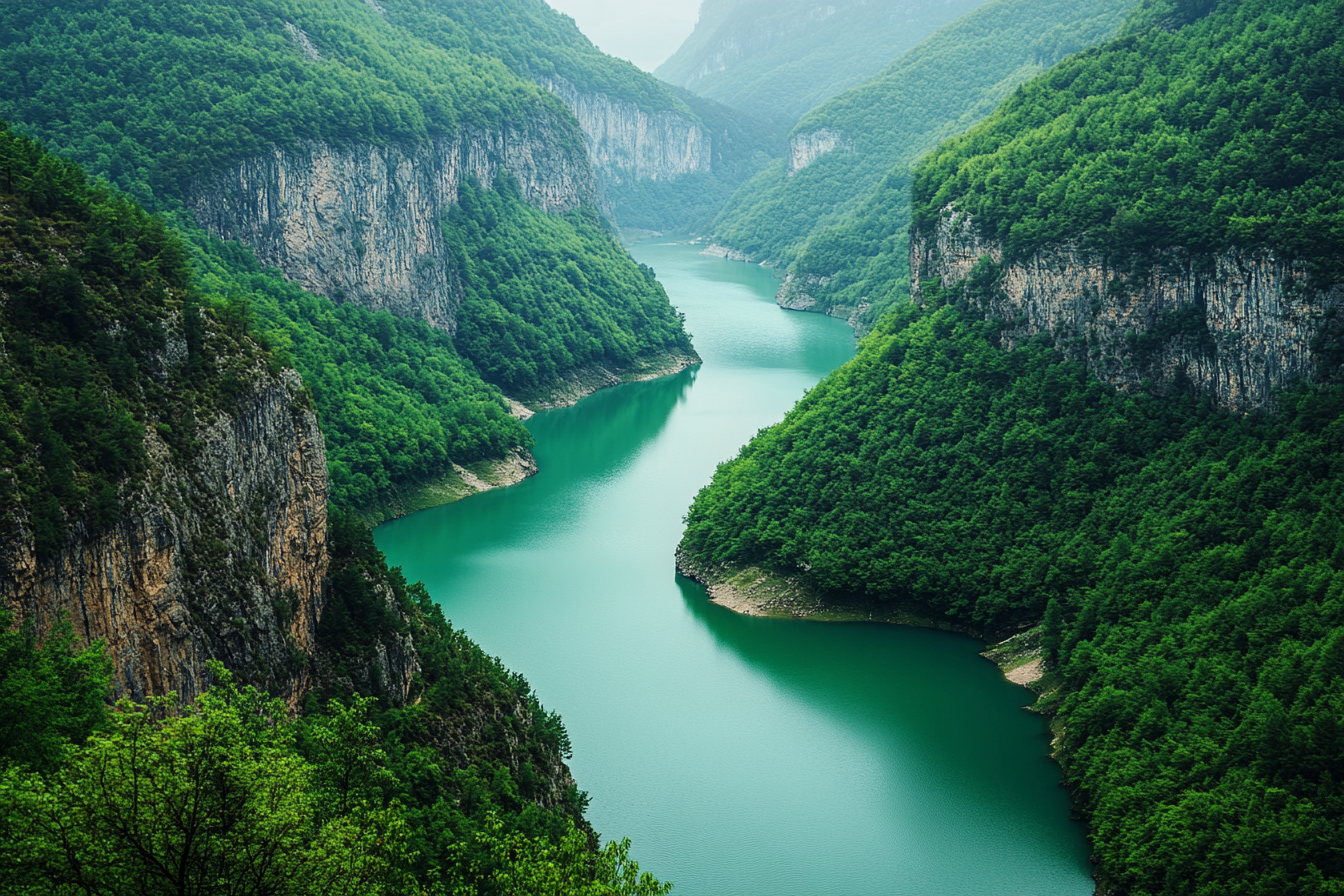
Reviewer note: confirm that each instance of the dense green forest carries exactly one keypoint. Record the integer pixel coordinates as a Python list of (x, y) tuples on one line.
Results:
[(821, 218), (215, 81), (1185, 560), (779, 59), (552, 295), (1220, 132), (456, 791), (535, 42)]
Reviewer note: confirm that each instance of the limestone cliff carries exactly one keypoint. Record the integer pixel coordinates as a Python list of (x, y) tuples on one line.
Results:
[(361, 223), (220, 555), (1237, 325), (804, 149), (628, 144)]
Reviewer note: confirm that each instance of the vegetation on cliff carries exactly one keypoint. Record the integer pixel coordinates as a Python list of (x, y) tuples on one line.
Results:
[(537, 43), (549, 295), (1186, 560), (1216, 126), (839, 224), (96, 309)]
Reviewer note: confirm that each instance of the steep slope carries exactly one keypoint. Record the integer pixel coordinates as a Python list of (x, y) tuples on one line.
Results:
[(664, 158), (163, 497), (162, 481), (333, 142), (827, 202), (778, 60), (974, 466), (1186, 203)]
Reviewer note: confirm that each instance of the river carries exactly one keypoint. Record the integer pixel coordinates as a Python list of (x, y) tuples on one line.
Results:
[(741, 755)]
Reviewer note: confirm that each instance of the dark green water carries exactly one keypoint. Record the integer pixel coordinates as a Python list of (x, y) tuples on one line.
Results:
[(742, 756)]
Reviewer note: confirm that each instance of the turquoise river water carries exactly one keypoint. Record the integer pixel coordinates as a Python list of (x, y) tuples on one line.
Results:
[(742, 755)]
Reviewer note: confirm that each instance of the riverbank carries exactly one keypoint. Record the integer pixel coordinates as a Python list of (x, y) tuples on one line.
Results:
[(584, 381), (754, 591), (462, 482), (519, 464)]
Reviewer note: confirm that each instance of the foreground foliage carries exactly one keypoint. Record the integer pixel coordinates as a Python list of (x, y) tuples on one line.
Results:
[(233, 794)]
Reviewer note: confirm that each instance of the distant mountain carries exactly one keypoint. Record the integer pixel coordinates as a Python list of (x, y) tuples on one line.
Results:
[(780, 58), (828, 204)]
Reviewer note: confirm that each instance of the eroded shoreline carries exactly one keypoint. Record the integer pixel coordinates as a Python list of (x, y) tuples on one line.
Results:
[(753, 591)]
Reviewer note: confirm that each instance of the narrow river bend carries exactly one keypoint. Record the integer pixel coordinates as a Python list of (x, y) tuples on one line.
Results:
[(742, 756)]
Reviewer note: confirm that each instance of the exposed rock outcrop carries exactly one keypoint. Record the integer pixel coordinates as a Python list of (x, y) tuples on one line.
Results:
[(804, 149), (793, 293), (221, 555), (628, 144), (362, 223), (796, 294), (1239, 325)]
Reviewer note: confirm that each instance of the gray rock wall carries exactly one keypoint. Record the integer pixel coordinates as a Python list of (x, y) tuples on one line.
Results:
[(220, 556), (362, 223), (804, 149), (1239, 325), (628, 144)]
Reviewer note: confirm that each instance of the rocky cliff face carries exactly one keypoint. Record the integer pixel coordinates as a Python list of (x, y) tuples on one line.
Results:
[(1238, 325), (221, 555), (628, 144), (804, 149), (361, 223)]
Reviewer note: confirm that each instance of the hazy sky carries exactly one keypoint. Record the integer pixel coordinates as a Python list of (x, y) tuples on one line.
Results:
[(644, 31)]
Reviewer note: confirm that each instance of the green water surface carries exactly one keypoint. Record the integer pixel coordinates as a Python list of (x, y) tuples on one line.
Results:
[(742, 756)]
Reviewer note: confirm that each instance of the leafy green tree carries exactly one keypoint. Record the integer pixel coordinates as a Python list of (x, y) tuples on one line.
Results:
[(52, 695), (209, 798), (525, 866)]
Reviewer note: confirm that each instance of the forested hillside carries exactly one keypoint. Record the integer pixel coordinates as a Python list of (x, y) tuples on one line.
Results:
[(1184, 559), (418, 763), (780, 59), (820, 210), (1220, 133), (217, 83)]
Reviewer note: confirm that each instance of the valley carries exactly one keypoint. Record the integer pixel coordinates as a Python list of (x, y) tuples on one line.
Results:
[(416, 476)]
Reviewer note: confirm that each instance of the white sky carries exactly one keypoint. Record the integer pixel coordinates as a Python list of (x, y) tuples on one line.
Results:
[(644, 31)]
